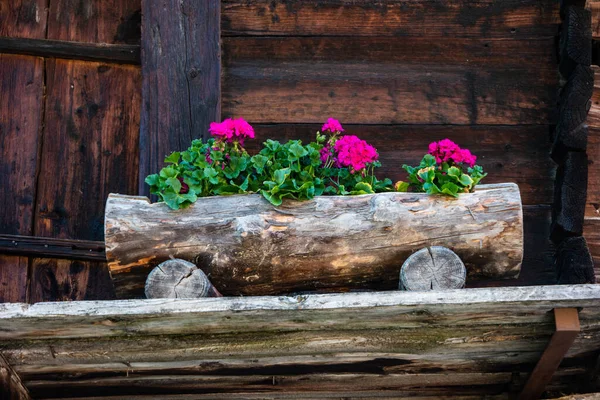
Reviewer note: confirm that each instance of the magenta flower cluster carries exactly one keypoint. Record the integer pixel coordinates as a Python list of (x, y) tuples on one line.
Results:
[(348, 150), (332, 126), (354, 153), (448, 151), (231, 130)]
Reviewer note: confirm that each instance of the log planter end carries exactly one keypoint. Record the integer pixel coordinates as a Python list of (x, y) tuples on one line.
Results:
[(331, 243)]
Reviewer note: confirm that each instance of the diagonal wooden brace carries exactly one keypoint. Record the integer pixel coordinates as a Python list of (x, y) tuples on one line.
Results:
[(567, 329)]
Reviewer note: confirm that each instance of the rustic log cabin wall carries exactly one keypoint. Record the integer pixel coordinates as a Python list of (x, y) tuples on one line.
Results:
[(399, 74)]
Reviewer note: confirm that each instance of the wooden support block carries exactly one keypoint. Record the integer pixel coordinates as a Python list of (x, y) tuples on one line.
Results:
[(570, 193), (571, 132), (575, 40), (574, 262), (181, 77), (179, 279), (567, 329), (433, 268)]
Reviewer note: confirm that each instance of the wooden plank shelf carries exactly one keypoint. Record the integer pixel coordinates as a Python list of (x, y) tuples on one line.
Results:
[(391, 343)]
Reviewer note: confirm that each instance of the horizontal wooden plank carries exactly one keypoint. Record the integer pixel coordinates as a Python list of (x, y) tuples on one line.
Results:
[(517, 154), (11, 387), (49, 247), (354, 395), (484, 53), (265, 91), (426, 340), (473, 18), (114, 53), (30, 317), (403, 385)]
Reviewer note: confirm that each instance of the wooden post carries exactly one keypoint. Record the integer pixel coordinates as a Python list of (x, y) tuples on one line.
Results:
[(573, 260), (567, 329), (181, 69)]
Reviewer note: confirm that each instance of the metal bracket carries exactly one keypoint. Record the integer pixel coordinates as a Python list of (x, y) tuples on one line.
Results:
[(567, 329)]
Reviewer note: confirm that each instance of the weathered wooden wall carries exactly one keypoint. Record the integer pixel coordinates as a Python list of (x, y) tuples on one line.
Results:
[(399, 74), (69, 137)]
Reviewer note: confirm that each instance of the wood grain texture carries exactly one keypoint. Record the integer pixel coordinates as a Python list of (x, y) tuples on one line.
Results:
[(479, 18), (575, 101), (575, 40), (334, 342), (90, 145), (432, 268), (20, 122), (517, 154), (568, 210), (90, 149), (574, 262), (95, 21), (23, 18), (266, 91), (593, 120), (249, 247), (591, 232), (11, 387), (181, 69)]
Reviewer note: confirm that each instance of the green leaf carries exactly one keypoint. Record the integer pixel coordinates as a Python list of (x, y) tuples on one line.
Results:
[(401, 186), (175, 184), (364, 187), (466, 180), (281, 174), (173, 158), (297, 149), (168, 172), (431, 188), (212, 175), (152, 180), (170, 198), (273, 199), (259, 162), (454, 172), (451, 189)]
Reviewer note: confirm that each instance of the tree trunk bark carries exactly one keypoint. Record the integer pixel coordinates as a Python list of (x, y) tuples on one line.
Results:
[(332, 243)]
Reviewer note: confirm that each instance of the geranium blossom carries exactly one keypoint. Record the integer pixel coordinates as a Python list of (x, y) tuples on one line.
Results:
[(332, 125), (448, 151), (354, 153), (231, 130)]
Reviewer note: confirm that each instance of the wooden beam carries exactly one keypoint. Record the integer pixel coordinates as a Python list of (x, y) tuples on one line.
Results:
[(181, 84), (567, 329), (113, 53), (11, 387), (85, 250)]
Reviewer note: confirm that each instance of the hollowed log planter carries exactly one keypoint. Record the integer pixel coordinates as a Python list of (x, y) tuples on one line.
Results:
[(249, 247)]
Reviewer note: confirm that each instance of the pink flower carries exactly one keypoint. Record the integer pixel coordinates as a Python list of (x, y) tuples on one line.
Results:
[(354, 153), (232, 130), (243, 129), (448, 151), (468, 158), (222, 130), (325, 154), (332, 125)]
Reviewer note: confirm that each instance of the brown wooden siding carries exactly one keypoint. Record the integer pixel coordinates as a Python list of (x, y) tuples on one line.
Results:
[(481, 72)]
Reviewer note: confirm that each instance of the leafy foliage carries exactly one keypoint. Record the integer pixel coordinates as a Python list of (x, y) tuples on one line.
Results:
[(447, 178)]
